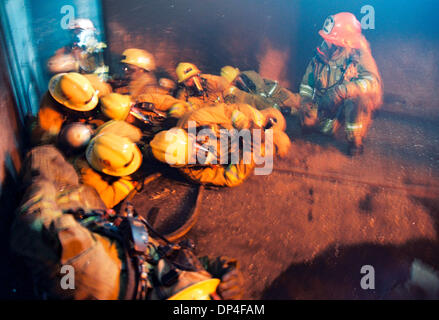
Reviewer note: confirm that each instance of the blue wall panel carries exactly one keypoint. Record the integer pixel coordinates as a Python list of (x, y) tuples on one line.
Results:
[(31, 32)]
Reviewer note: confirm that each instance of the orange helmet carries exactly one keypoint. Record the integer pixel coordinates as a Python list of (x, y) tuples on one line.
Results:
[(343, 30)]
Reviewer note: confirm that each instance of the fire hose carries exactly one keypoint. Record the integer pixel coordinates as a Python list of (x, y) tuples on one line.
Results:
[(190, 221)]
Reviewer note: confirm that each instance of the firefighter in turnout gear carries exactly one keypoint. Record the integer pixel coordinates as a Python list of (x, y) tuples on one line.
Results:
[(84, 54), (138, 73), (341, 82), (249, 87), (199, 89), (61, 222)]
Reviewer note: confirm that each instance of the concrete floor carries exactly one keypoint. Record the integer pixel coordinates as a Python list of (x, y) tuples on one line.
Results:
[(307, 234)]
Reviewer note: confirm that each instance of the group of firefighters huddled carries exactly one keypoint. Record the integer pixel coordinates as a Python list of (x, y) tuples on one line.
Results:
[(94, 134)]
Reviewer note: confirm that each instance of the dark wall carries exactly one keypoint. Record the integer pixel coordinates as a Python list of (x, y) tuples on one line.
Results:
[(10, 162), (47, 32), (250, 34)]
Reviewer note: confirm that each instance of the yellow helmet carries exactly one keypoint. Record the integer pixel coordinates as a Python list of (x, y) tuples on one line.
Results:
[(73, 91), (229, 73), (113, 155), (116, 106), (185, 70), (139, 58), (120, 128), (172, 147), (199, 291)]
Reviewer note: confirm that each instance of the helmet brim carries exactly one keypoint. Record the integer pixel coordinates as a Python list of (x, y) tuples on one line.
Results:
[(56, 93), (199, 291), (137, 65), (338, 42)]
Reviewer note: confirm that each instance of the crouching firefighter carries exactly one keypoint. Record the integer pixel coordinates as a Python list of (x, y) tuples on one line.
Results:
[(341, 82), (199, 145), (77, 249)]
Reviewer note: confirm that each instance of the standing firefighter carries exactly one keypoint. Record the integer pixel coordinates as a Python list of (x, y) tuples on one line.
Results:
[(341, 82)]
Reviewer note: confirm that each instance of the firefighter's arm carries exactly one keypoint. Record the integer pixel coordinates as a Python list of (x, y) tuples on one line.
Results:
[(307, 107), (234, 95), (197, 103), (368, 80), (215, 84), (111, 192), (306, 89), (48, 124), (167, 102), (122, 90), (260, 103), (162, 102), (192, 103)]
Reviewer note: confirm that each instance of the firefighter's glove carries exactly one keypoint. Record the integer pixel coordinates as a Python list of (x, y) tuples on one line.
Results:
[(332, 98), (232, 281)]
